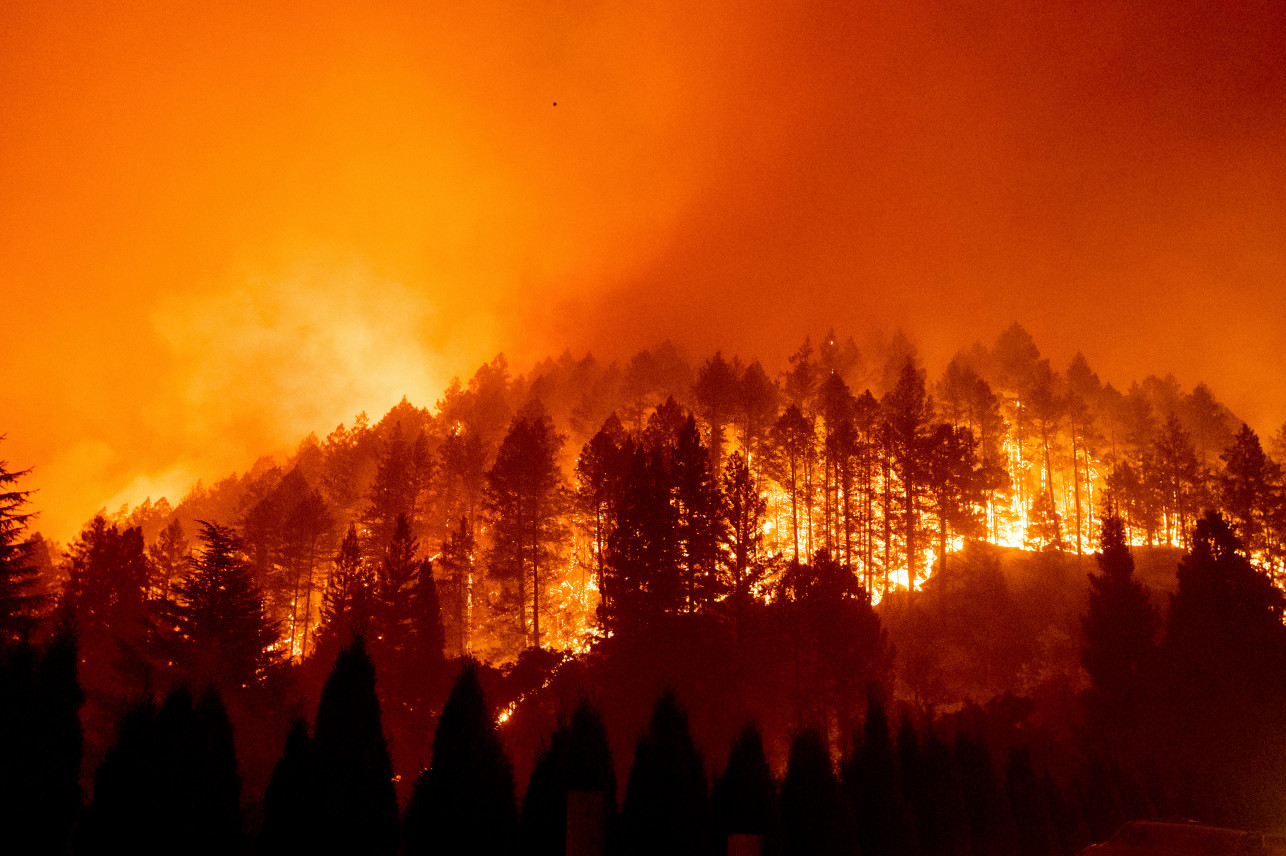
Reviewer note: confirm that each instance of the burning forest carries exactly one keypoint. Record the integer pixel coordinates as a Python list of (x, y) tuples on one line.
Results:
[(607, 429), (904, 582)]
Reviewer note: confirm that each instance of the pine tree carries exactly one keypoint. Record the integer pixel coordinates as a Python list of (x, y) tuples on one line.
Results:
[(291, 803), (348, 601), (577, 759), (225, 637), (525, 501), (457, 565), (169, 557), (171, 777), (815, 818), (908, 411), (699, 518), (464, 802), (19, 602), (1120, 629), (743, 801), (666, 809), (356, 804), (871, 779), (600, 471), (744, 509), (40, 742), (393, 605), (1223, 696)]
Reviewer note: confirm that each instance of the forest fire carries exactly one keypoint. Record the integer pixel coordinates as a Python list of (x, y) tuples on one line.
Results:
[(703, 581)]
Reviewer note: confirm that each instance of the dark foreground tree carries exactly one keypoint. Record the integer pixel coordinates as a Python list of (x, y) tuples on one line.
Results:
[(665, 797), (872, 781), (170, 778), (356, 801), (579, 760), (291, 803), (1223, 684), (815, 817), (743, 800), (1120, 630), (464, 802), (40, 743)]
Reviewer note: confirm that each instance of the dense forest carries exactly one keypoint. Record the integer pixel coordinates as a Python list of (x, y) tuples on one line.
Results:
[(991, 613)]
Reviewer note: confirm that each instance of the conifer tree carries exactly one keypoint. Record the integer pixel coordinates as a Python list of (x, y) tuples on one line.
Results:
[(699, 519), (577, 759), (744, 508), (464, 802), (225, 637), (600, 471), (907, 406), (1120, 629), (291, 803), (1247, 489), (872, 781), (40, 742), (666, 809), (642, 579), (525, 502), (356, 802), (171, 777), (169, 557), (348, 601), (393, 606), (457, 565), (743, 801), (19, 600), (1223, 695), (815, 819)]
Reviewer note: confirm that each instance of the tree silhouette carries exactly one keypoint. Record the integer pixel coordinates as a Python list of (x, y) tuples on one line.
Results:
[(815, 818), (666, 807), (224, 636), (292, 801), (743, 800), (19, 600), (1120, 629), (908, 411), (716, 391), (40, 699), (464, 802), (457, 565), (872, 780), (641, 571), (1247, 487), (743, 508), (356, 809), (348, 602), (171, 777), (577, 759), (600, 470), (525, 500), (1223, 694), (794, 436), (699, 520)]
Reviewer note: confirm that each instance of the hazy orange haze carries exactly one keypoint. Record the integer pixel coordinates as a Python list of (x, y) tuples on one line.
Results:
[(223, 225)]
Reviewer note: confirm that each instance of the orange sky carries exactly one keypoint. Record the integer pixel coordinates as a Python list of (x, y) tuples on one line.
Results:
[(223, 225)]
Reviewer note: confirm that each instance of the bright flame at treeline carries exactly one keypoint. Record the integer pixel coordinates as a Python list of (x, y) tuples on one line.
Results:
[(856, 457)]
